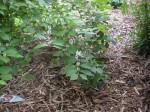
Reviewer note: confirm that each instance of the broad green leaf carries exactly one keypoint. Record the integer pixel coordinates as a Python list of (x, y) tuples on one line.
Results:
[(79, 22), (3, 7), (60, 33), (58, 54), (86, 66), (2, 12), (15, 56), (99, 70), (71, 50), (86, 72), (42, 2), (27, 58), (83, 76), (70, 71), (73, 76), (30, 30), (2, 82), (72, 33), (69, 67), (89, 34), (40, 46), (102, 28), (5, 70), (5, 37), (58, 42), (69, 60), (10, 51), (2, 48), (4, 59), (94, 69), (111, 39), (6, 77), (16, 42), (40, 36)]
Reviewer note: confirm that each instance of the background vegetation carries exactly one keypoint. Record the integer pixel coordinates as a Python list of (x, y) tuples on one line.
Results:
[(141, 11)]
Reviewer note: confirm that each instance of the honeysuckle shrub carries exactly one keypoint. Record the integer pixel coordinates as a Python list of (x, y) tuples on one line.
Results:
[(77, 29)]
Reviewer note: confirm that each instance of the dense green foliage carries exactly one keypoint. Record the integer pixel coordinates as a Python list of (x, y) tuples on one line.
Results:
[(141, 12), (75, 29), (116, 3), (20, 23)]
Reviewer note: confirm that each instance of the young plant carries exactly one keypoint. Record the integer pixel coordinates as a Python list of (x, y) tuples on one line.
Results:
[(80, 35)]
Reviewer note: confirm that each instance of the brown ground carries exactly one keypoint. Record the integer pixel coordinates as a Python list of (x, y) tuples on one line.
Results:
[(128, 91)]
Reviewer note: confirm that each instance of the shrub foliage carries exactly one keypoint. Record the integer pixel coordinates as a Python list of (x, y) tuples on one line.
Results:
[(76, 29), (141, 11)]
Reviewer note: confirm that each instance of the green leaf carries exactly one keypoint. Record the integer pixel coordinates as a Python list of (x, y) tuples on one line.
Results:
[(40, 46), (15, 56), (6, 77), (10, 51), (4, 59), (86, 72), (79, 22), (69, 60), (73, 76), (71, 50), (69, 69), (58, 54), (2, 48), (60, 33), (30, 30), (41, 2), (94, 69), (102, 28), (5, 37), (83, 76), (2, 82), (58, 42), (3, 7), (16, 42), (124, 7), (5, 70), (27, 58), (99, 70), (40, 36), (86, 66), (2, 12)]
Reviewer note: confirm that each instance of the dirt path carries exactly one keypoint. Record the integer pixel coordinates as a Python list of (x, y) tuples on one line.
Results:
[(127, 92), (128, 70)]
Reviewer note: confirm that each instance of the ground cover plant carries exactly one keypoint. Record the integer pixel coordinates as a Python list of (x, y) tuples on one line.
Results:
[(75, 29)]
